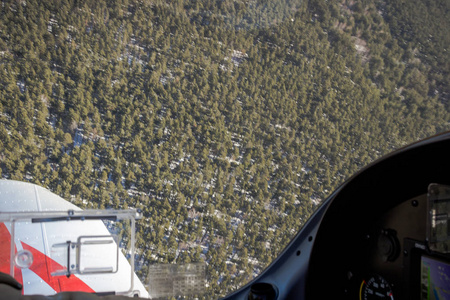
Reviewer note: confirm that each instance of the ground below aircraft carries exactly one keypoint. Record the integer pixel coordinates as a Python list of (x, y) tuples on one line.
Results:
[(384, 234)]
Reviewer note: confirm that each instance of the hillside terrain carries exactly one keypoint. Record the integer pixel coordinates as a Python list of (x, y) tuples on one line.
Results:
[(225, 122)]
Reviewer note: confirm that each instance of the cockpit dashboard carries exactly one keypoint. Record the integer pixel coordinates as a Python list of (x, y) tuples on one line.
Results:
[(384, 234)]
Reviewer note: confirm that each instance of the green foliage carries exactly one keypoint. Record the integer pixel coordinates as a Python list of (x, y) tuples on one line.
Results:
[(225, 122)]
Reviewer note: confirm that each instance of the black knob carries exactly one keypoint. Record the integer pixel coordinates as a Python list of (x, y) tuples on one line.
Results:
[(388, 245), (262, 291)]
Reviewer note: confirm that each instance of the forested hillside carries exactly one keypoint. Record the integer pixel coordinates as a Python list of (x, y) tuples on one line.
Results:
[(225, 122)]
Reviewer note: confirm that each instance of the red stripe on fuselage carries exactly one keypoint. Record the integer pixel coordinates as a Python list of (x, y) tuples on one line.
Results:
[(43, 265), (5, 250)]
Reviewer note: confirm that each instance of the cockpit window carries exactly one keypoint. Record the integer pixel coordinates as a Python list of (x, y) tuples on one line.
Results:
[(225, 122)]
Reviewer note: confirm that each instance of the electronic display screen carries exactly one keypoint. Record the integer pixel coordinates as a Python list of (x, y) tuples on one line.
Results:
[(435, 279)]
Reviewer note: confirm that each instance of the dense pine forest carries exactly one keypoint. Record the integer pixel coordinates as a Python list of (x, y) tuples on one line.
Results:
[(225, 122)]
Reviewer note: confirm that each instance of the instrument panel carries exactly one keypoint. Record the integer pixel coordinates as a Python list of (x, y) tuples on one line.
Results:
[(383, 234), (386, 233), (378, 273), (391, 257)]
